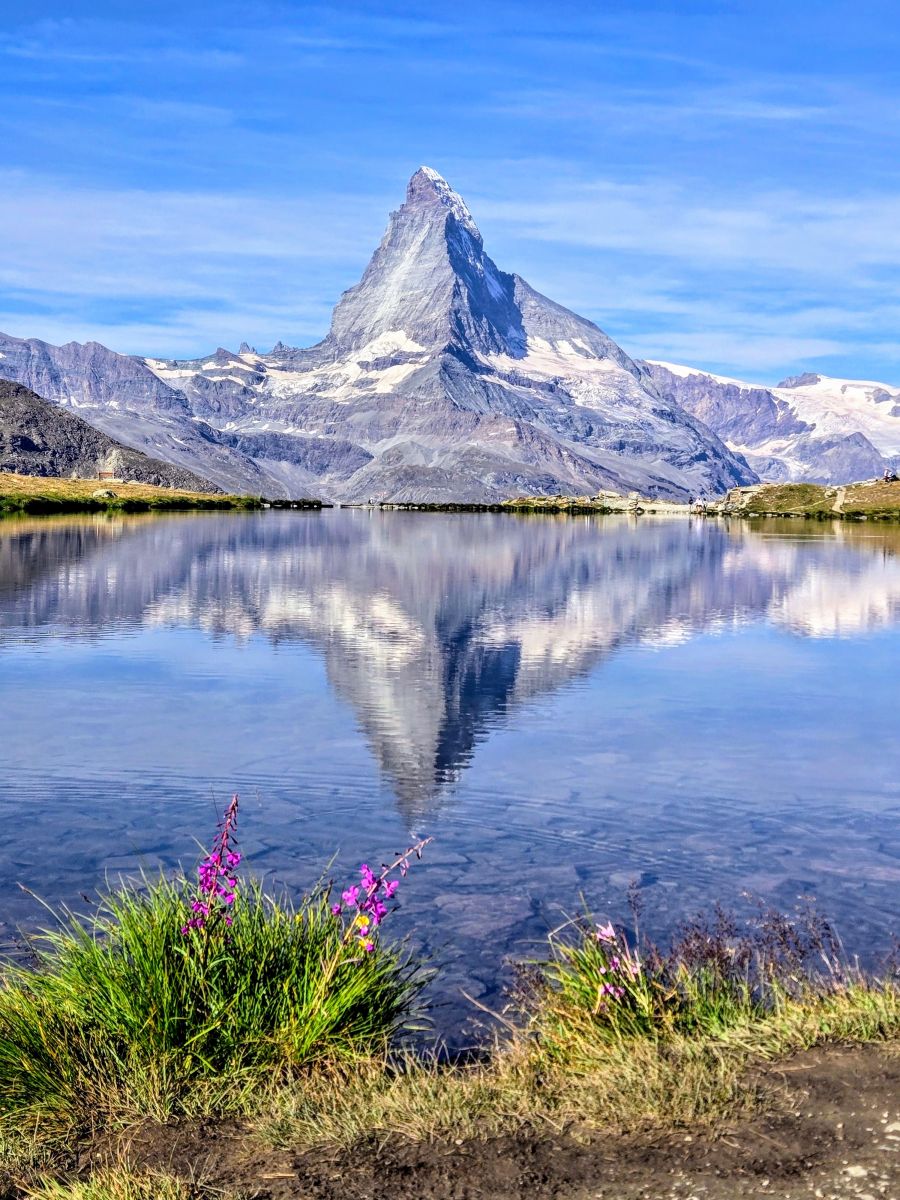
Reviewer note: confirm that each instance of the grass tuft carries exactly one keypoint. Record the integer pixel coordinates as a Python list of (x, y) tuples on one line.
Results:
[(127, 1015)]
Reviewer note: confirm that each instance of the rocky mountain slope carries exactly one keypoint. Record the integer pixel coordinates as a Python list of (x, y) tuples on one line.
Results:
[(442, 378), (36, 438), (808, 427), (120, 396)]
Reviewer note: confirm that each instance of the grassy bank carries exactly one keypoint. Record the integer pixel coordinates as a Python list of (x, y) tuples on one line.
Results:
[(871, 500), (33, 494), (210, 999)]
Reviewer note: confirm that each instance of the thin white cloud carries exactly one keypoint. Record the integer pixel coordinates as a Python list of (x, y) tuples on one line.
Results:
[(100, 43), (632, 108), (214, 265), (779, 229)]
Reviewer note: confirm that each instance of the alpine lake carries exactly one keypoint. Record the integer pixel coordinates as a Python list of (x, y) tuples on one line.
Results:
[(706, 710)]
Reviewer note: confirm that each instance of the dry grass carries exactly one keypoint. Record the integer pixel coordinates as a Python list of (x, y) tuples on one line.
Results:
[(39, 493), (800, 498), (873, 498), (623, 1084), (82, 489)]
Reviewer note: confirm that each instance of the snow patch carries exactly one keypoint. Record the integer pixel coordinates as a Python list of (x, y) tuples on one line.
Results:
[(392, 341), (560, 360)]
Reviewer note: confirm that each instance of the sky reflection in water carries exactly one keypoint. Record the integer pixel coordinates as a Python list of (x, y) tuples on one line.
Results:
[(565, 705)]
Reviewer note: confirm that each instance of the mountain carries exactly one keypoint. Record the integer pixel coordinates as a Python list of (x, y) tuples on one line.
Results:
[(37, 439), (441, 378), (808, 427), (119, 395)]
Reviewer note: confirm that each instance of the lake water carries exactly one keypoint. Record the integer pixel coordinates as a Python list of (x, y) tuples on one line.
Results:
[(564, 704)]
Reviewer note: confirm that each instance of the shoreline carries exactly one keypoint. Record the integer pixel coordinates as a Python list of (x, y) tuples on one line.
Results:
[(870, 500), (44, 495), (40, 506), (719, 1075)]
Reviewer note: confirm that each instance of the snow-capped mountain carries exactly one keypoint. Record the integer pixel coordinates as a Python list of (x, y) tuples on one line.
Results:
[(442, 378), (808, 427)]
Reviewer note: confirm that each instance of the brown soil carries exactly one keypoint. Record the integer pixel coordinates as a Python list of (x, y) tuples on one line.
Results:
[(833, 1132)]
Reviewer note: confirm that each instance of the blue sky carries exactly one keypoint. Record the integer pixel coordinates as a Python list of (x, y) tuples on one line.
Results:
[(713, 183)]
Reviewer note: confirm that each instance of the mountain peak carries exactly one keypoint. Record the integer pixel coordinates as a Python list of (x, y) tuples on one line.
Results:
[(428, 187)]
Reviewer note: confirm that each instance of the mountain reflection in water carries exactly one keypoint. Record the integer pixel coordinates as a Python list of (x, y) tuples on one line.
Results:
[(433, 628), (566, 704)]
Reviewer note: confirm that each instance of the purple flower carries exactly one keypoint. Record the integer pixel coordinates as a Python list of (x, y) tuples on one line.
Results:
[(367, 901), (216, 890)]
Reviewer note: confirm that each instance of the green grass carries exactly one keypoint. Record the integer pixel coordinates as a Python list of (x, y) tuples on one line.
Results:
[(768, 985), (126, 1016)]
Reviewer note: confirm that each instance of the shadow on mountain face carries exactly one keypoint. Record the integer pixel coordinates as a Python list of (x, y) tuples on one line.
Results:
[(434, 628)]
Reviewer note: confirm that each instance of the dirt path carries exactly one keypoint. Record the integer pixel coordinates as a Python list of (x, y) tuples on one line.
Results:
[(836, 1135)]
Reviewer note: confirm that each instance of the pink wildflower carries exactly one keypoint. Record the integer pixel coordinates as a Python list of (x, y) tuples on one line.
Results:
[(366, 904), (216, 887)]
